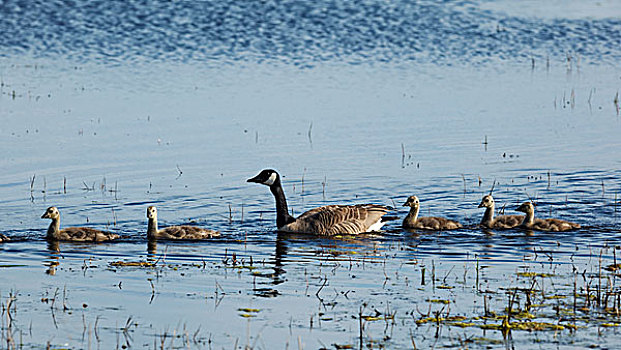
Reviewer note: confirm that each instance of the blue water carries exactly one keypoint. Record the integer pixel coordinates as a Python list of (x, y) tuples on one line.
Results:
[(109, 107), (305, 33)]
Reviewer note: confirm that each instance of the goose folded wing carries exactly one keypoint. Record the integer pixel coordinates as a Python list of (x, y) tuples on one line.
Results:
[(186, 232), (438, 223), (508, 221), (85, 234), (338, 219), (560, 225)]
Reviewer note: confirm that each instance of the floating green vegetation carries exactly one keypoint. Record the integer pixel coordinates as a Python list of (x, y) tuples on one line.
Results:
[(520, 314), (505, 325), (246, 312), (377, 317), (441, 319), (555, 297), (371, 318), (462, 324), (481, 340), (534, 274), (245, 309), (536, 326), (438, 301), (132, 263)]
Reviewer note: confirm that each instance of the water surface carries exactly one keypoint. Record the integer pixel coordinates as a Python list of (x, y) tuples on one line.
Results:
[(107, 108)]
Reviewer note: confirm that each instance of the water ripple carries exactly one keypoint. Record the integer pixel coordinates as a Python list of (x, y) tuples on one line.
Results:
[(297, 32)]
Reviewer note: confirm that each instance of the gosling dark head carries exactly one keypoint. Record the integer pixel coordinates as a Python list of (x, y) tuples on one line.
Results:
[(487, 201), (526, 207), (50, 213), (412, 202)]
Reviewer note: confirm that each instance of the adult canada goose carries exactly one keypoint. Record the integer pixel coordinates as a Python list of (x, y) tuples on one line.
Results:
[(74, 234), (425, 223), (555, 225), (4, 238), (325, 221), (175, 232), (499, 222)]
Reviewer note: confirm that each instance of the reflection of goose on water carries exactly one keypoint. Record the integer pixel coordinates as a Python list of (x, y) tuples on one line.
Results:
[(4, 238), (74, 234), (555, 225), (326, 221), (425, 223), (175, 232), (499, 222)]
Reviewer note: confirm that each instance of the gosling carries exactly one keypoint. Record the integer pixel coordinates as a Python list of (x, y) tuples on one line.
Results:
[(175, 232), (73, 234), (500, 222), (553, 225), (425, 223)]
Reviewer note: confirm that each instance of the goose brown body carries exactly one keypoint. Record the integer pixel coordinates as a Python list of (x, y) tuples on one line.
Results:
[(337, 219), (498, 222), (73, 234), (412, 221), (553, 225), (328, 220), (175, 232)]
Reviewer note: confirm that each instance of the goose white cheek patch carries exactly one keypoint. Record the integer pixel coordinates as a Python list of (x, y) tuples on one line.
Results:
[(271, 180)]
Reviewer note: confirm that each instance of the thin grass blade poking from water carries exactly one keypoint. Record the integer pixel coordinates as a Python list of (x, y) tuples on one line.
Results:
[(179, 172), (491, 190)]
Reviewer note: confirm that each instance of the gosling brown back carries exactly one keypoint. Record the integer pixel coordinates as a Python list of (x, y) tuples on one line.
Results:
[(412, 221), (73, 234), (183, 232)]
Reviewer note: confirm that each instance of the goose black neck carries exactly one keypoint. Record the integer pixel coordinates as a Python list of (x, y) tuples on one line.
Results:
[(282, 212)]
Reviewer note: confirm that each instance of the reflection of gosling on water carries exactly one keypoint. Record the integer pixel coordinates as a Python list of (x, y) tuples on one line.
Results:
[(175, 232), (425, 223), (325, 221), (4, 238), (499, 222), (74, 234), (555, 225)]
